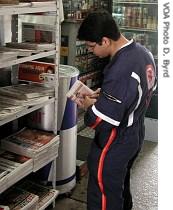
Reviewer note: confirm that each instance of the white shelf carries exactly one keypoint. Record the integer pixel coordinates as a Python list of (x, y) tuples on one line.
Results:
[(138, 29), (26, 110), (31, 8), (137, 2), (29, 58), (25, 8)]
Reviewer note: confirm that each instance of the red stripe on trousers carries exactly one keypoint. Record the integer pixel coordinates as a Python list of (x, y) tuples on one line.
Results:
[(98, 120), (101, 163)]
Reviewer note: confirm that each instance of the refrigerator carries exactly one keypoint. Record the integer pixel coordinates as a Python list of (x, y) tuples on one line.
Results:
[(138, 19)]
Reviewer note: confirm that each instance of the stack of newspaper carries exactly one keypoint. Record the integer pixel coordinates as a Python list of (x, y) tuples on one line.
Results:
[(14, 98), (13, 167), (21, 102), (7, 56), (39, 47), (16, 199), (18, 52), (41, 146), (45, 194), (8, 109), (26, 91)]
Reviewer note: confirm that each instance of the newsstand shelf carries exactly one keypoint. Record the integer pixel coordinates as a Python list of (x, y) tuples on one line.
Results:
[(25, 8)]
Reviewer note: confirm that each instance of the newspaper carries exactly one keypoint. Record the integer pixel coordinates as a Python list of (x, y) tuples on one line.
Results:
[(7, 109), (78, 91), (16, 199), (46, 195), (18, 52), (3, 172), (7, 56), (15, 166), (31, 46), (29, 142), (26, 91), (19, 102)]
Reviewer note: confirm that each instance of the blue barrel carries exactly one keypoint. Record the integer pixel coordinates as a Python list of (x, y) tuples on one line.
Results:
[(67, 129), (67, 125)]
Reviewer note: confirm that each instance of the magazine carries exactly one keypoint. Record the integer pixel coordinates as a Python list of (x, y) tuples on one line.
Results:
[(78, 91), (32, 70)]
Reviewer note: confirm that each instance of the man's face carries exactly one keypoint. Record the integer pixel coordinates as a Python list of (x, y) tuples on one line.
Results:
[(98, 49)]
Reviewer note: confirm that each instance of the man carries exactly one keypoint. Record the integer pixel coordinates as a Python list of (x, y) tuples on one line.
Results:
[(118, 113)]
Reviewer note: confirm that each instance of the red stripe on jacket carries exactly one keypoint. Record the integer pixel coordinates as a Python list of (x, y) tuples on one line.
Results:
[(101, 164)]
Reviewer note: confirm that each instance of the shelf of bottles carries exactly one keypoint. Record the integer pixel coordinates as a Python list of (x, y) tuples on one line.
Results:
[(78, 9), (138, 20)]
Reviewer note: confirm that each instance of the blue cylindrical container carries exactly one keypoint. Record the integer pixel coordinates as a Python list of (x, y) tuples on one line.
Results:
[(67, 125), (67, 128)]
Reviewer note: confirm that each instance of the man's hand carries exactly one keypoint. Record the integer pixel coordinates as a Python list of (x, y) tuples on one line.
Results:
[(96, 93), (88, 101)]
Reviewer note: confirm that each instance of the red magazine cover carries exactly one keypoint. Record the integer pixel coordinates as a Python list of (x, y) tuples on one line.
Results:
[(32, 70)]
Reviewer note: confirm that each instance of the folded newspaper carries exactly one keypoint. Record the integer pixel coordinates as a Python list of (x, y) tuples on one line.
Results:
[(26, 91), (46, 195), (78, 92), (29, 142), (13, 167), (17, 199)]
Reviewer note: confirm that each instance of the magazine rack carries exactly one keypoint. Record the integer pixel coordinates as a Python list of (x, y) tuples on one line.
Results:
[(29, 55)]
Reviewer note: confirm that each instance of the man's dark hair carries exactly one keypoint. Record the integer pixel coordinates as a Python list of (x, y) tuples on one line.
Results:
[(98, 24)]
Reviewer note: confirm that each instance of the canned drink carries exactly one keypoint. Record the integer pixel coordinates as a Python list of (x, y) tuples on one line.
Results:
[(154, 23), (128, 11), (123, 10), (133, 12), (138, 22), (128, 21), (123, 21), (138, 12), (145, 17), (147, 38), (133, 22), (145, 12), (150, 22)]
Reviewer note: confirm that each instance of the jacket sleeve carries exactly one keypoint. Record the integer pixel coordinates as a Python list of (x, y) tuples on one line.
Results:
[(119, 95)]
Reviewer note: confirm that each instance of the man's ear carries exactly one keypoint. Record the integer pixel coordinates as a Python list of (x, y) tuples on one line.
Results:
[(106, 41)]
